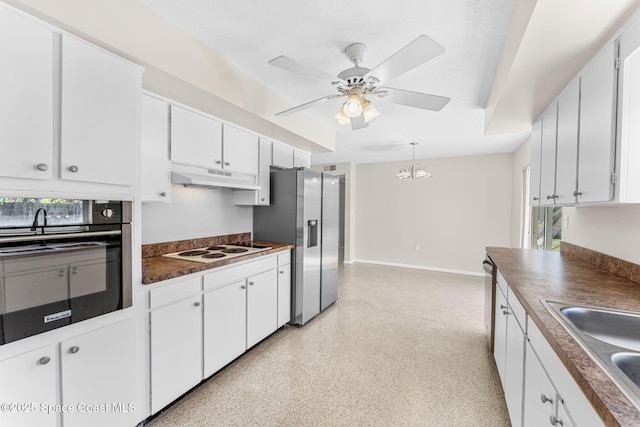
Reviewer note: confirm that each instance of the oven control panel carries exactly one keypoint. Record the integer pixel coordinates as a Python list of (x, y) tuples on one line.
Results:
[(106, 212)]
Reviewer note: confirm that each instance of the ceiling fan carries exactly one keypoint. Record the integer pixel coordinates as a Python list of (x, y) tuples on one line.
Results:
[(357, 83)]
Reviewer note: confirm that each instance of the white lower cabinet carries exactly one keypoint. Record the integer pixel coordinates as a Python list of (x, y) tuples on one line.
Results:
[(85, 380), (540, 396), (33, 379), (262, 306), (98, 377), (176, 341), (500, 343), (225, 320), (284, 288)]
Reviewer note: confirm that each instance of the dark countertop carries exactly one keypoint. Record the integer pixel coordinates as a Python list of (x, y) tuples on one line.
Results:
[(534, 275), (158, 268)]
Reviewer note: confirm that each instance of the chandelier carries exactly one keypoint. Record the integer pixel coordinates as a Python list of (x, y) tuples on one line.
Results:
[(415, 170)]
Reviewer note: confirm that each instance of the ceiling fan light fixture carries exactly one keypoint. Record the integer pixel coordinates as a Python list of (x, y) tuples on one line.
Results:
[(369, 112), (353, 106), (342, 118)]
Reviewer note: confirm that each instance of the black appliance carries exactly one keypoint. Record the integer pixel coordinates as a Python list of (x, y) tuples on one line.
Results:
[(56, 272), (489, 299)]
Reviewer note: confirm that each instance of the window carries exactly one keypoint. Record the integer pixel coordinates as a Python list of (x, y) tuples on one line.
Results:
[(546, 227), (20, 212)]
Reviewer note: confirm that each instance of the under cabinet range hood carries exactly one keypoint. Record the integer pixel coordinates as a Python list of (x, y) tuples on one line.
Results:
[(191, 176)]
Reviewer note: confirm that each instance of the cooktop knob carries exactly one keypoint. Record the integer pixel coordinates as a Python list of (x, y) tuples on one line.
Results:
[(107, 213)]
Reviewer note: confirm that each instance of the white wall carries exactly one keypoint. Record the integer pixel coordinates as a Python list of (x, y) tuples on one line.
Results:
[(194, 213), (453, 216), (520, 159)]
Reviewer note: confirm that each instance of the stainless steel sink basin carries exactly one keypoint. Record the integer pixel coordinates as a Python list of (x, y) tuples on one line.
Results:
[(614, 327), (611, 337)]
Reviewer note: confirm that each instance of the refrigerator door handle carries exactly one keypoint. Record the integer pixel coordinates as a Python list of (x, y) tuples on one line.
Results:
[(312, 232)]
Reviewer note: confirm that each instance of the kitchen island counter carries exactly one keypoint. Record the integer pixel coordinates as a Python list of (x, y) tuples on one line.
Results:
[(570, 277)]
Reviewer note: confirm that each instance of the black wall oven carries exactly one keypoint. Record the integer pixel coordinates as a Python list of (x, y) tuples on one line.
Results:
[(72, 263)]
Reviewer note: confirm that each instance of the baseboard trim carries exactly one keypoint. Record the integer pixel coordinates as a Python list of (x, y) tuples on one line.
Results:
[(420, 267)]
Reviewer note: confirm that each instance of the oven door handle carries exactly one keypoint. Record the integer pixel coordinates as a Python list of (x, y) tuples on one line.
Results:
[(34, 237)]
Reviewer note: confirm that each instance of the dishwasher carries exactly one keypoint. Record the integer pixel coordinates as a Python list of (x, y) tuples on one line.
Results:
[(489, 299)]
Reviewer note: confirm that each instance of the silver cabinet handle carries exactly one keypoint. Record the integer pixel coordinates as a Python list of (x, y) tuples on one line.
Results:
[(251, 283), (502, 306), (73, 168), (545, 399), (61, 273), (536, 198), (74, 270), (577, 193), (74, 349), (227, 164), (281, 271), (555, 421), (243, 287), (196, 304), (163, 194), (262, 199), (42, 167), (552, 196), (44, 360), (218, 162), (505, 312)]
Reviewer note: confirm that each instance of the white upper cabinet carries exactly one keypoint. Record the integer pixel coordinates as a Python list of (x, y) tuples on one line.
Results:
[(99, 115), (154, 140), (567, 150), (534, 170), (240, 150), (281, 155), (263, 195), (629, 107), (196, 140), (301, 159), (26, 104), (597, 128), (548, 155)]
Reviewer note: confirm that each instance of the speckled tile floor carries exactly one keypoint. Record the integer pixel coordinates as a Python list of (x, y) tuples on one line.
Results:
[(401, 347)]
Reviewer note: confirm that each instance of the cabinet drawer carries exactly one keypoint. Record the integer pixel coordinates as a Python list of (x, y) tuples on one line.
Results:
[(517, 309), (284, 258), (238, 272), (168, 294)]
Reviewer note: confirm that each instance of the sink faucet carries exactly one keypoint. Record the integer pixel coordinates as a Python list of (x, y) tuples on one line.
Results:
[(34, 226)]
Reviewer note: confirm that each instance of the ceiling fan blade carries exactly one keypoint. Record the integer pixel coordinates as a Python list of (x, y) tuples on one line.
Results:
[(288, 64), (307, 105), (358, 122), (412, 99), (419, 51)]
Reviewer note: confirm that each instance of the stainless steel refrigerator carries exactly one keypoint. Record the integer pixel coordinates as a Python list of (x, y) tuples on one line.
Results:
[(304, 211)]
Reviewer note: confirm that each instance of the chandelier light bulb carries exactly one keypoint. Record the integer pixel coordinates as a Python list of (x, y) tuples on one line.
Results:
[(353, 107)]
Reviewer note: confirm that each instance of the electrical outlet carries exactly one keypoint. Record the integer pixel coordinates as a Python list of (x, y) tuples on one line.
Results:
[(417, 248)]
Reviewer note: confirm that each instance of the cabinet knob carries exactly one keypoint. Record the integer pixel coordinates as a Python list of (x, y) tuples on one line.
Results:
[(227, 164), (281, 271), (251, 283), (61, 273), (502, 306), (577, 193), (545, 399), (505, 312), (74, 349), (552, 196), (44, 360), (73, 168), (42, 167), (243, 287), (262, 199), (196, 304), (536, 198), (218, 162), (163, 194), (555, 421)]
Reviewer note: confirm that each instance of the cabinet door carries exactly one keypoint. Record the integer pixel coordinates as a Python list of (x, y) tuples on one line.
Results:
[(154, 156), (196, 140), (176, 350), (263, 195), (240, 150), (29, 378), (282, 155), (629, 110), (284, 294), (563, 418), (514, 369), (534, 170), (567, 155), (500, 340), (26, 85), (100, 101), (301, 159), (262, 306), (548, 155), (597, 124), (99, 376), (539, 394), (225, 330)]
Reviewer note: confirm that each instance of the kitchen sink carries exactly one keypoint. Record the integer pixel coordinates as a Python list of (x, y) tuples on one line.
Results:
[(611, 337)]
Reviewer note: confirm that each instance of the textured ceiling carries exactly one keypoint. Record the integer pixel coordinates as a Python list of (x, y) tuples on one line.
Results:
[(250, 33)]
